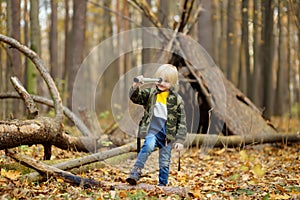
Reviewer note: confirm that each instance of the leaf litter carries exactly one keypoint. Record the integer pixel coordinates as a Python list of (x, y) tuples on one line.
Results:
[(263, 171)]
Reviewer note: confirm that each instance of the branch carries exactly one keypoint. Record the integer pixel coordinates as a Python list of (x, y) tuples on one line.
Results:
[(144, 6), (43, 71), (71, 116), (53, 171), (185, 14), (30, 105), (96, 157), (194, 20), (42, 130)]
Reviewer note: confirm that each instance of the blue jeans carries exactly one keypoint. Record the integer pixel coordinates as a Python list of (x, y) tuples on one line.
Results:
[(152, 141)]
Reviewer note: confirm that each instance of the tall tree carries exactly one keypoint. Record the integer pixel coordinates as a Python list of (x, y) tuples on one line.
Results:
[(232, 41), (267, 60), (216, 31), (223, 45), (111, 75), (205, 26), (53, 44), (14, 63), (146, 53), (67, 50), (256, 93), (77, 43), (163, 12), (244, 66), (2, 65), (35, 45), (281, 100)]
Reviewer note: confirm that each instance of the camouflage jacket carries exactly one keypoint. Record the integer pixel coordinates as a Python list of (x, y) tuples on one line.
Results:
[(176, 119)]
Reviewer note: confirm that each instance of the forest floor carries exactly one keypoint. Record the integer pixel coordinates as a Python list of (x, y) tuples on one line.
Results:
[(261, 171)]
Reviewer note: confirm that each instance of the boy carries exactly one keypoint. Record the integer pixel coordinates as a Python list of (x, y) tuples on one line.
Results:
[(163, 123)]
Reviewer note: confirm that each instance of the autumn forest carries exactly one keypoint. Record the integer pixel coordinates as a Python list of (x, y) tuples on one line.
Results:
[(68, 128)]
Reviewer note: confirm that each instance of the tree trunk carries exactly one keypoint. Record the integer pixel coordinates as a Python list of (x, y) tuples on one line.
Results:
[(77, 44), (239, 140), (244, 66), (146, 53), (53, 44), (205, 29), (41, 131), (267, 35), (281, 100), (67, 50), (232, 42), (2, 79), (14, 63), (256, 94), (35, 45), (216, 34), (223, 45)]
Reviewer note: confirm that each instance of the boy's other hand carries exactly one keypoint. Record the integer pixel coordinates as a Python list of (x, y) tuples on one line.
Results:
[(140, 83), (178, 146)]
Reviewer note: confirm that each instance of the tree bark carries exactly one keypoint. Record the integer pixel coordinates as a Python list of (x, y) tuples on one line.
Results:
[(42, 130), (68, 113), (96, 157), (267, 61), (240, 140), (77, 44), (14, 62), (35, 45), (282, 81), (232, 42), (53, 44)]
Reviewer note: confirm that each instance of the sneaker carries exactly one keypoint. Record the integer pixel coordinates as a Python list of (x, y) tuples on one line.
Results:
[(134, 176), (160, 184)]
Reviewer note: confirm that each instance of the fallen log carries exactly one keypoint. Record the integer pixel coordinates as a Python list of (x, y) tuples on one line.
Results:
[(45, 101), (239, 140), (48, 170), (42, 130), (96, 157), (167, 190)]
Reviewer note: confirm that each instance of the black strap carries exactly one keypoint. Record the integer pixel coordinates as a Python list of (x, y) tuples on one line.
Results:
[(138, 144)]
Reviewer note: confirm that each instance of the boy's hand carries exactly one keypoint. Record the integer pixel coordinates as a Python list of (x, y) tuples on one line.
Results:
[(138, 84), (178, 146)]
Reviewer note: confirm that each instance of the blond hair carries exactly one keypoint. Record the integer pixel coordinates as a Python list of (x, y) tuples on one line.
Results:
[(167, 72)]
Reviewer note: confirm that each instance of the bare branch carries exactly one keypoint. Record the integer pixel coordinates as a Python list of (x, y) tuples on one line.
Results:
[(43, 71), (42, 100), (144, 6), (30, 105), (194, 19), (53, 171)]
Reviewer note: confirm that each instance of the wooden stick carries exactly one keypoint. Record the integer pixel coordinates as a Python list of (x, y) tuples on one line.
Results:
[(53, 171)]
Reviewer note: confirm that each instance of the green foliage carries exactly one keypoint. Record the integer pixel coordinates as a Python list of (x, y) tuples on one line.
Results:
[(139, 194), (295, 110), (104, 115)]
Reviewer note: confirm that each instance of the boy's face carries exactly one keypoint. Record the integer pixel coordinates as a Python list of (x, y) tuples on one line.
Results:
[(165, 85)]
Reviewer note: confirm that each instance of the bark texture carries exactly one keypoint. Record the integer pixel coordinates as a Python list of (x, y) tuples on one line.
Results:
[(42, 130)]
